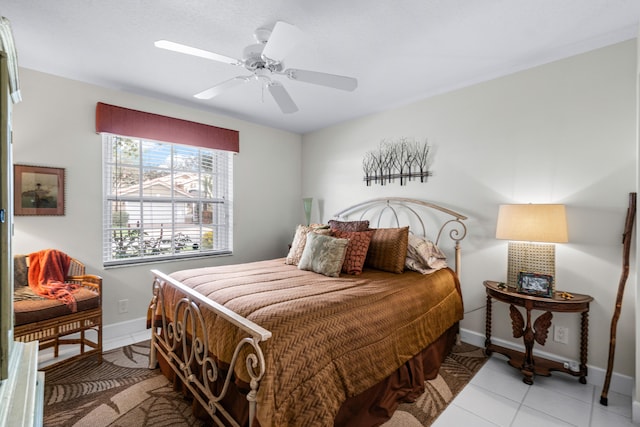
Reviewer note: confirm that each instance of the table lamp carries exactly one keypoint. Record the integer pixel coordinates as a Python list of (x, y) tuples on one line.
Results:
[(532, 230)]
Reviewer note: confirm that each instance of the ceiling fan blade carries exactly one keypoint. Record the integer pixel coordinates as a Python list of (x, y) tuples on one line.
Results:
[(222, 87), (282, 40), (323, 79), (181, 48), (282, 98)]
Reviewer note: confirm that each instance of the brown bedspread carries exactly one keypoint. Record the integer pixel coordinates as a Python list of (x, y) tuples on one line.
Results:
[(332, 337)]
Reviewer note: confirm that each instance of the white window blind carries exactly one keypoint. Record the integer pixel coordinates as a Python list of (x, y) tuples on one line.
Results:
[(165, 201)]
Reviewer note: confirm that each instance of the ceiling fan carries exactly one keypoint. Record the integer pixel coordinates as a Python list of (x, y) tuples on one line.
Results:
[(264, 59)]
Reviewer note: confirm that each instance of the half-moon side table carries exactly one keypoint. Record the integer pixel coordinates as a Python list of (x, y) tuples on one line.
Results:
[(526, 362)]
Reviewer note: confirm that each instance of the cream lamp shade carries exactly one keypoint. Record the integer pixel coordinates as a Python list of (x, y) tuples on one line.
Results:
[(532, 223), (524, 224)]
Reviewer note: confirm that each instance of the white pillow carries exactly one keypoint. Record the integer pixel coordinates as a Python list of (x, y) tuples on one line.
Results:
[(424, 256)]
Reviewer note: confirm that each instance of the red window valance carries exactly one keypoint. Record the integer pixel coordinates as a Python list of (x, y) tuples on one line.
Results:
[(138, 124)]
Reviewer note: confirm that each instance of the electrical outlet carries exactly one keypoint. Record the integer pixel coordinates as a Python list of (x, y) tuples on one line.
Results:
[(561, 334), (123, 306)]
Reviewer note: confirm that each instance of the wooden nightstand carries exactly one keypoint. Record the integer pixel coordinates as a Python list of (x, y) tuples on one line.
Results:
[(526, 362)]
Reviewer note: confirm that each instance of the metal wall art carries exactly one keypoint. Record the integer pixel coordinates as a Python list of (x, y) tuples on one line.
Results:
[(403, 159)]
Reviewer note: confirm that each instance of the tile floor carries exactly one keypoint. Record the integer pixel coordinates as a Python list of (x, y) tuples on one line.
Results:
[(496, 396)]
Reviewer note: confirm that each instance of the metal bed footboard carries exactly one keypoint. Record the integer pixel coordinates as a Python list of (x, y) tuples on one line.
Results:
[(183, 343)]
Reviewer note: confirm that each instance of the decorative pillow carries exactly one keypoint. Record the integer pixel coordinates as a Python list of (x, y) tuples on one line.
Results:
[(356, 250), (300, 238), (323, 254), (424, 256), (388, 249), (349, 225)]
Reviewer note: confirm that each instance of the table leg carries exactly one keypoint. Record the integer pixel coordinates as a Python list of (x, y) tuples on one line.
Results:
[(527, 367), (487, 326), (584, 341)]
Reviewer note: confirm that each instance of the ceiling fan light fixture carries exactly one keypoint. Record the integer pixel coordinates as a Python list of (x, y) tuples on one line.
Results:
[(262, 73), (252, 57)]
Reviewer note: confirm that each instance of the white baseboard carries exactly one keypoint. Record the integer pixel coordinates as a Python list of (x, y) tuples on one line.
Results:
[(622, 384), (121, 330)]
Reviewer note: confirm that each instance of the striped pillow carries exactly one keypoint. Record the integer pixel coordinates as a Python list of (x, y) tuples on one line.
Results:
[(388, 249)]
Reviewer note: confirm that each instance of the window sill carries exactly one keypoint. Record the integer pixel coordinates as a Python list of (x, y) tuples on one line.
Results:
[(146, 261)]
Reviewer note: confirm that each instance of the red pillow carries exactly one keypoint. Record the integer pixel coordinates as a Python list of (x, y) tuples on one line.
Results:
[(356, 250)]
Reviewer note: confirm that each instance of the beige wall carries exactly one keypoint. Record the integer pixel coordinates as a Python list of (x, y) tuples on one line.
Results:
[(564, 132), (54, 126)]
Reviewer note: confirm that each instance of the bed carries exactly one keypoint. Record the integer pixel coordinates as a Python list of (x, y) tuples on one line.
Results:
[(286, 343)]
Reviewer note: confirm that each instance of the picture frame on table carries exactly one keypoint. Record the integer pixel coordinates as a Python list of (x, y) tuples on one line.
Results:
[(536, 284), (38, 190)]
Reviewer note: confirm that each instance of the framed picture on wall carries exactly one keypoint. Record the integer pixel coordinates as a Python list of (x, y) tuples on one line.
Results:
[(38, 190)]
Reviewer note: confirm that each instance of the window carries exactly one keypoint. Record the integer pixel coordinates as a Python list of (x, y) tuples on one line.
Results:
[(165, 201)]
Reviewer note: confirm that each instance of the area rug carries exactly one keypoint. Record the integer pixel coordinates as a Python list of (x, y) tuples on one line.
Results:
[(124, 392)]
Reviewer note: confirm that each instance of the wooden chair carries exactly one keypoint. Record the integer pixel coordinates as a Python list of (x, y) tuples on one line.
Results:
[(51, 322)]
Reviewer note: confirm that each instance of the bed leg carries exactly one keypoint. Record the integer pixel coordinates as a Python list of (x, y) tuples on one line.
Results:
[(153, 358), (252, 412), (157, 290)]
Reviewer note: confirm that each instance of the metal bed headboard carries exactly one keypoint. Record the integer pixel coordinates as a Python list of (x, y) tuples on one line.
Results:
[(393, 208)]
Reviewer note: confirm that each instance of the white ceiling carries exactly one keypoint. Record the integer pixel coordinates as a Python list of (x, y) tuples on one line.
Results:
[(399, 50)]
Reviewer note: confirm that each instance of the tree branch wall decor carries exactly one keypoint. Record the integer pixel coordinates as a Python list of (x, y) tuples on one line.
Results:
[(403, 159)]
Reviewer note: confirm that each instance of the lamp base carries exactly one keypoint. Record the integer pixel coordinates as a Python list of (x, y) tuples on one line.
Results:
[(530, 258)]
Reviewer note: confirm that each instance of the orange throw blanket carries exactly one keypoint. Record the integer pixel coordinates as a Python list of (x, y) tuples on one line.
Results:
[(47, 271)]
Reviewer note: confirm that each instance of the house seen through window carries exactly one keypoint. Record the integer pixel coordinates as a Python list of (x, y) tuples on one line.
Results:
[(165, 201)]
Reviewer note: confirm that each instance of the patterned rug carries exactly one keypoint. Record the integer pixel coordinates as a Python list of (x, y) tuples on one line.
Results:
[(456, 371), (123, 392)]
